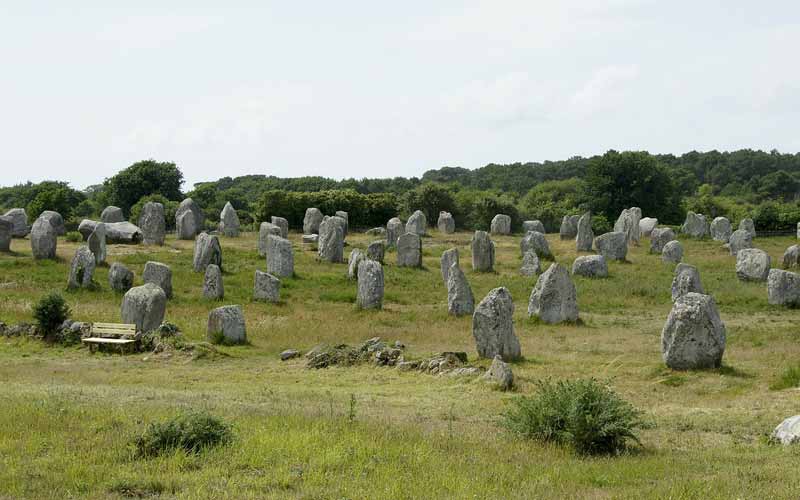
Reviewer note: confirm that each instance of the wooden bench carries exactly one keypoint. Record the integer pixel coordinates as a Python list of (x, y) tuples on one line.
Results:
[(112, 334)]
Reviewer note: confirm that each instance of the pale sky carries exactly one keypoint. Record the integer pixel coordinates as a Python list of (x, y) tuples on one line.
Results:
[(381, 89)]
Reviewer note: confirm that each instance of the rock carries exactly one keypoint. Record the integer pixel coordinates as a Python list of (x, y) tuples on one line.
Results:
[(370, 285), (266, 228), (312, 221), (207, 250), (449, 257), (97, 243), (394, 229), (376, 251), (153, 223), (612, 246), (81, 270), (289, 354), (116, 232), (229, 221), (659, 237), (788, 431), (501, 225), (226, 325), (186, 225), (554, 298), (43, 240), (356, 256), (752, 264), (409, 250), (346, 218), (798, 230), (739, 240), (267, 287), (791, 257), (417, 224), (158, 274), (377, 231), (280, 256), (493, 326), (583, 241), (533, 225), (783, 288), (212, 283), (311, 240), (695, 225), (482, 252), (6, 232), (531, 265), (144, 306), (672, 252), (590, 266), (537, 242), (646, 225), (721, 229), (331, 240), (628, 223), (569, 227), (283, 224), (500, 374), (694, 335), (189, 227), (55, 220), (112, 214), (460, 300), (120, 278), (446, 223), (686, 279), (19, 219), (747, 225)]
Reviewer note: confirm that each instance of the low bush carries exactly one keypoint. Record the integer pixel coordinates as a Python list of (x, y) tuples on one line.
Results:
[(192, 432), (50, 312), (789, 378), (73, 236)]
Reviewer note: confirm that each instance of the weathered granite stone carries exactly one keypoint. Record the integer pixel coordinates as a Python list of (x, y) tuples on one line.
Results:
[(695, 225), (280, 256), (153, 223), (56, 221), (788, 431), (536, 241), (585, 237), (283, 224), (207, 250), (331, 240), (370, 285), (554, 298), (747, 225), (531, 265), (19, 219), (81, 270), (446, 223), (659, 237), (686, 279), (672, 252), (213, 287), (120, 278), (116, 232), (482, 252), (346, 218), (721, 229), (628, 223), (739, 240), (460, 300), (158, 274), (97, 243), (376, 251), (356, 256), (449, 257), (533, 225), (186, 225), (791, 257), (493, 326), (6, 232), (417, 224), (376, 231), (312, 221), (144, 306), (112, 214), (590, 266), (189, 227), (501, 225), (752, 264), (783, 288), (266, 228), (694, 335), (569, 227), (310, 240), (229, 221), (500, 374), (612, 246), (409, 250), (646, 225), (43, 240), (226, 325), (267, 287), (394, 229)]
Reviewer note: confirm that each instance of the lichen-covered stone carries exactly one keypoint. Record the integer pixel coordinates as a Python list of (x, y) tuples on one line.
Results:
[(446, 223), (43, 240), (536, 241), (226, 325), (394, 229), (56, 220), (409, 250), (460, 300), (376, 251), (748, 225), (672, 252), (207, 250), (694, 335), (120, 278), (686, 279), (721, 229), (554, 298), (739, 240), (97, 243), (144, 306), (612, 246), (112, 214), (752, 264), (482, 252), (281, 223), (533, 225), (159, 274), (265, 229), (493, 326), (280, 256), (81, 270), (590, 266), (19, 220), (370, 285), (356, 256), (659, 237), (213, 287), (791, 257), (331, 240), (585, 237), (569, 227), (417, 224), (312, 221), (531, 265), (695, 225), (267, 287), (783, 288), (646, 226), (501, 225), (449, 257)]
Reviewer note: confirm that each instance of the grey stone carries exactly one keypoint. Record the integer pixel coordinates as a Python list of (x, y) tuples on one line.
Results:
[(43, 240), (721, 229), (19, 219), (501, 225), (283, 224), (356, 256), (226, 325), (312, 221), (531, 265), (189, 227), (289, 354), (280, 256), (686, 279), (493, 326), (144, 306), (791, 257), (417, 224), (376, 251), (409, 250), (628, 223), (207, 250), (81, 270), (798, 230), (56, 221), (783, 288), (569, 227), (153, 223), (394, 229), (112, 214), (97, 243), (370, 285), (695, 225), (612, 246), (739, 240), (646, 225), (694, 335), (460, 300), (554, 298), (377, 231), (788, 431), (120, 278), (213, 287), (482, 252), (265, 229), (116, 232), (229, 221), (537, 242), (590, 266), (585, 237), (446, 223), (449, 257), (659, 237), (500, 374), (267, 287), (311, 240), (533, 225), (158, 274), (6, 232), (752, 264), (331, 240), (672, 252), (748, 225), (346, 218)]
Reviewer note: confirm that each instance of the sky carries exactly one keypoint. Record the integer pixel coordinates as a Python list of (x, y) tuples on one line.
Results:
[(383, 89)]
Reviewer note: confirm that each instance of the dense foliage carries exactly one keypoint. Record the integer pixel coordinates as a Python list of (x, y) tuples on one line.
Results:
[(142, 179), (50, 312)]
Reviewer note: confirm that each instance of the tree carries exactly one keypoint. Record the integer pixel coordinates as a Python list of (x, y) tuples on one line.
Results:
[(142, 179), (60, 198), (778, 186), (430, 198)]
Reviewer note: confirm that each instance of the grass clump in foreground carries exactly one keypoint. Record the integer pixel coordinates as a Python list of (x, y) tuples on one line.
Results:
[(584, 414), (192, 432), (789, 378)]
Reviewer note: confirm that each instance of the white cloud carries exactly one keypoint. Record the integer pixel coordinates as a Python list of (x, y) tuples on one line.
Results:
[(606, 89)]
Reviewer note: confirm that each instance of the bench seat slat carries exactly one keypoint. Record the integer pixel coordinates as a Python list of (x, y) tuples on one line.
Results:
[(103, 340)]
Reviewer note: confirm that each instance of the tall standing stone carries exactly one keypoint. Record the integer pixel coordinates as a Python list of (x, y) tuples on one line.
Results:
[(783, 288), (695, 225), (56, 220), (280, 256), (266, 288), (19, 219), (212, 283), (229, 221), (346, 218), (752, 264), (659, 237), (144, 306), (226, 325), (207, 250), (686, 279), (739, 240), (159, 274), (531, 265), (590, 266), (748, 225), (283, 224), (97, 243), (554, 298), (264, 230), (417, 224), (376, 251), (585, 237), (536, 241), (409, 250), (449, 257), (189, 227), (394, 229), (533, 225), (446, 223), (612, 246), (482, 252), (460, 300), (6, 232), (370, 285), (81, 270), (646, 226), (721, 229), (493, 326), (43, 240), (694, 335), (120, 278), (312, 221), (355, 258), (331, 241), (153, 223), (112, 214), (501, 225), (791, 257), (628, 223), (672, 252), (569, 227)]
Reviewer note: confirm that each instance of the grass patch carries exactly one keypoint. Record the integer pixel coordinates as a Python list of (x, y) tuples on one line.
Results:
[(790, 378), (191, 432)]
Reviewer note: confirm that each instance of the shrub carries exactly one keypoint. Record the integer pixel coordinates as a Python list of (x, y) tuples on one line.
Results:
[(50, 312), (788, 379), (192, 432), (584, 414), (74, 236)]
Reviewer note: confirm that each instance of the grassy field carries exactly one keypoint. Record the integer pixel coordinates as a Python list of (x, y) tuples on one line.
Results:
[(68, 417)]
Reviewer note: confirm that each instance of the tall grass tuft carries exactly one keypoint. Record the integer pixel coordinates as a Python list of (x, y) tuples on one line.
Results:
[(789, 378), (192, 432)]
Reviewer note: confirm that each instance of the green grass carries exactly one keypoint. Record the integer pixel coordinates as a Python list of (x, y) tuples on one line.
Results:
[(69, 418)]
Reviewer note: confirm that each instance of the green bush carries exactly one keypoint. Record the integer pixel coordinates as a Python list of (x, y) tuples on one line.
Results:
[(192, 432), (789, 378), (50, 312), (584, 414), (74, 236)]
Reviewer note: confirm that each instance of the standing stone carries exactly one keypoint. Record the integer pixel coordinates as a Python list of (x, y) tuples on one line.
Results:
[(229, 221), (554, 298), (590, 266), (212, 283), (482, 252), (569, 227), (493, 326), (226, 325), (265, 229), (267, 287), (501, 224), (312, 220), (659, 237), (536, 241), (144, 306), (158, 274), (531, 265), (186, 225), (695, 225), (721, 229), (646, 225), (449, 257), (500, 373), (116, 232), (43, 240), (19, 219), (376, 251), (612, 246), (747, 225), (6, 231), (346, 218), (460, 300), (752, 264), (189, 227), (694, 335), (120, 278), (583, 241), (533, 225), (206, 251), (342, 223), (280, 256), (56, 221), (97, 243), (283, 224), (81, 271), (791, 257), (331, 241), (356, 256), (394, 229), (686, 279), (783, 288), (112, 214), (417, 224), (740, 240), (409, 250), (370, 285), (153, 223), (446, 223), (672, 252), (628, 223)]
